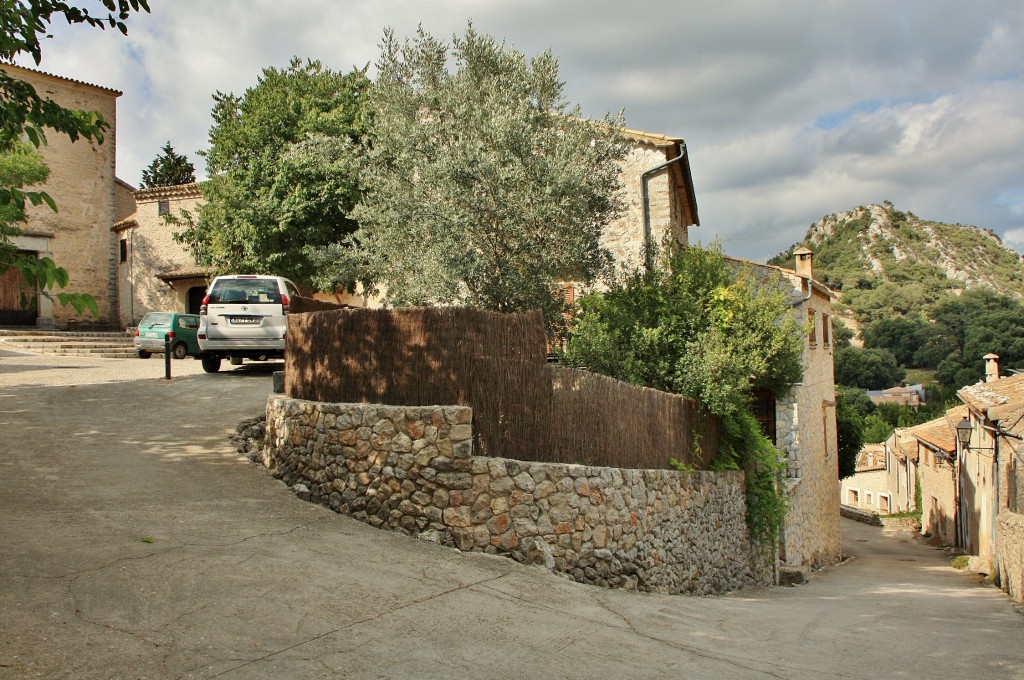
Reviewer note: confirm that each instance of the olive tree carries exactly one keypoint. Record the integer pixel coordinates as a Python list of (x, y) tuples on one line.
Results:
[(482, 185)]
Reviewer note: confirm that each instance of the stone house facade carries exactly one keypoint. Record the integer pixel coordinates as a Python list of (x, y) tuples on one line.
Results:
[(155, 272), (901, 451), (658, 196), (990, 470), (802, 424), (89, 199), (937, 475), (867, 488)]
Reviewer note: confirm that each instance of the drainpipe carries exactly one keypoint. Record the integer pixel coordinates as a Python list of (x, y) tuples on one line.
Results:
[(644, 177), (131, 272)]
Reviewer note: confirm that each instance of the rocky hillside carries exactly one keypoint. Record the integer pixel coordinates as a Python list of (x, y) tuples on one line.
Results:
[(876, 244)]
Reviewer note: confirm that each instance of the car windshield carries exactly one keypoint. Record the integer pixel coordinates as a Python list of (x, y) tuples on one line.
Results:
[(245, 291), (156, 319)]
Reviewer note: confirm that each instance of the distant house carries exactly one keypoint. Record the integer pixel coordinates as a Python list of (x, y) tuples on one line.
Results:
[(869, 485), (910, 395), (155, 272), (902, 456), (89, 199)]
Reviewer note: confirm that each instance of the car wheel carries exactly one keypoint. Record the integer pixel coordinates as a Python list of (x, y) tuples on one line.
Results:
[(143, 354), (211, 364), (180, 351)]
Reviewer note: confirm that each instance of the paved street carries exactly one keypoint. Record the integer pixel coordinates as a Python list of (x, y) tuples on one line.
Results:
[(136, 544)]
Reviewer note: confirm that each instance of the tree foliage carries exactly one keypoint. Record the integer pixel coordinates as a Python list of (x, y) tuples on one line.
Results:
[(698, 327), (25, 115), (482, 185), (694, 326), (168, 169), (850, 427), (960, 331), (284, 170), (870, 369)]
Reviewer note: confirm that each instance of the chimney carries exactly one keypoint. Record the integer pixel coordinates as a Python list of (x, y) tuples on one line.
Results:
[(804, 262), (991, 367)]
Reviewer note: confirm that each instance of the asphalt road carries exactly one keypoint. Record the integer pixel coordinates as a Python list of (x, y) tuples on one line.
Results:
[(136, 544)]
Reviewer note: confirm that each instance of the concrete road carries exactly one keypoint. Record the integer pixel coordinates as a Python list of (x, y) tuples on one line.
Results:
[(136, 544)]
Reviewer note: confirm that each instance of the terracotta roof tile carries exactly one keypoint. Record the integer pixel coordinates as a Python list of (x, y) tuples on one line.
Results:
[(4, 66)]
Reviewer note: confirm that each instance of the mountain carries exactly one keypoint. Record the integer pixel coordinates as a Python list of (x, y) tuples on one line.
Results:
[(885, 262)]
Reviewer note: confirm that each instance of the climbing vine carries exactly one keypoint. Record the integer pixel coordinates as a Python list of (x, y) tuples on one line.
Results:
[(699, 326)]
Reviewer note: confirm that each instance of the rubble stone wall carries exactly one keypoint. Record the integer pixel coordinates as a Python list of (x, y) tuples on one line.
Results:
[(1010, 553), (412, 470)]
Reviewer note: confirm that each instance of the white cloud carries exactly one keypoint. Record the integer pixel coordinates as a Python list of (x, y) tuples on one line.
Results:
[(923, 98)]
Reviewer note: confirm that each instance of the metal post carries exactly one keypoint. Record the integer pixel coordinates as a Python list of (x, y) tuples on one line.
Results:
[(167, 356)]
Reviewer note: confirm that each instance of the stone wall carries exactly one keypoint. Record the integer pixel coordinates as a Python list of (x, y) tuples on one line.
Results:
[(1010, 553), (412, 470)]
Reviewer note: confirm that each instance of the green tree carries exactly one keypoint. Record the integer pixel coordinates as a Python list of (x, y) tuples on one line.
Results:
[(849, 428), (965, 329), (284, 171), (870, 369), (24, 114), (698, 327), (857, 399), (168, 169), (841, 333), (20, 166), (902, 336), (483, 186), (876, 429)]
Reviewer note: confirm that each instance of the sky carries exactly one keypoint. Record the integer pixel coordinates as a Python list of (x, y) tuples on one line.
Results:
[(791, 110)]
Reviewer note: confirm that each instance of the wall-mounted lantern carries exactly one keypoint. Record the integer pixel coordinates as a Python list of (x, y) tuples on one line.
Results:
[(964, 430)]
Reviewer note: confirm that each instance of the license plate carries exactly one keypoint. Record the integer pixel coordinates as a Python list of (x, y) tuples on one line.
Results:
[(151, 334), (244, 320)]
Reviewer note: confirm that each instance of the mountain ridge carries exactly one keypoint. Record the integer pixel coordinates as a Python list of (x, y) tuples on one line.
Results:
[(874, 244)]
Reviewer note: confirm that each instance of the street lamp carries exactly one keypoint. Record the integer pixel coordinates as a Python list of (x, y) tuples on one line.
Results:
[(963, 433)]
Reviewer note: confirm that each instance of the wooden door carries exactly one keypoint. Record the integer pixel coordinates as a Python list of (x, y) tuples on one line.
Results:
[(17, 299)]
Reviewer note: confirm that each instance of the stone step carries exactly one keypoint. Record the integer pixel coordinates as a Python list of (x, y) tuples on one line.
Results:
[(68, 342), (39, 332), (95, 344)]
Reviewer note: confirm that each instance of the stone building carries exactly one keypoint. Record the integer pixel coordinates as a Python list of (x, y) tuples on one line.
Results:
[(89, 199), (802, 424), (155, 272), (658, 195), (936, 469), (990, 471), (868, 486), (901, 450)]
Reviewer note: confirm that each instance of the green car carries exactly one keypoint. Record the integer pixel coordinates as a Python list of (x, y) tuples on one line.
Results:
[(149, 336)]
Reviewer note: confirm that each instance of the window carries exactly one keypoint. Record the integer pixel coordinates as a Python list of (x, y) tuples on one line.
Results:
[(163, 207), (764, 413), (867, 498), (813, 332), (826, 331), (883, 504), (854, 497), (124, 250)]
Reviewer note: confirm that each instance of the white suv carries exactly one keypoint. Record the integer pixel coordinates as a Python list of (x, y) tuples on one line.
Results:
[(244, 316)]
